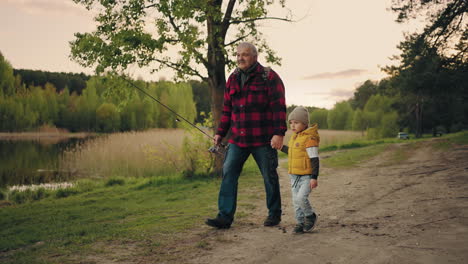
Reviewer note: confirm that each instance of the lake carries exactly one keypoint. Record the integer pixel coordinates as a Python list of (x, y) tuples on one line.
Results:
[(34, 161)]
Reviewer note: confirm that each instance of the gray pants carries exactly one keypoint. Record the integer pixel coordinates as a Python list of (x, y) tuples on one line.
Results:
[(300, 189)]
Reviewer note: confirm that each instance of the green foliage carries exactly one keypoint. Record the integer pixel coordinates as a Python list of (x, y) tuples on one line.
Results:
[(107, 117), (341, 116), (380, 119), (431, 76), (359, 123), (20, 197), (7, 80), (319, 116), (363, 93), (74, 82), (62, 193), (195, 150), (121, 40), (115, 181)]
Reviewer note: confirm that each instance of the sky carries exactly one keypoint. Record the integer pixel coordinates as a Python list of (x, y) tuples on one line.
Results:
[(335, 45)]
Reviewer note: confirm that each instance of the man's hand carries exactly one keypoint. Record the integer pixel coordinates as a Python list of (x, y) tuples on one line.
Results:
[(313, 183), (277, 142), (217, 139)]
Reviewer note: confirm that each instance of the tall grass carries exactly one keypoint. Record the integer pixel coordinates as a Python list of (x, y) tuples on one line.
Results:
[(333, 137), (148, 153), (153, 152)]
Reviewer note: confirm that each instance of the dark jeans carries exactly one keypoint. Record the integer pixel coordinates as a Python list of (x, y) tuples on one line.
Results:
[(267, 161)]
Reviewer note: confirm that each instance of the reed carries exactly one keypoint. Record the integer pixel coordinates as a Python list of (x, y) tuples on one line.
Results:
[(333, 137), (150, 153), (147, 153)]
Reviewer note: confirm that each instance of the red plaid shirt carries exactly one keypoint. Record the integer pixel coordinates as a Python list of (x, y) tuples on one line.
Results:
[(257, 111)]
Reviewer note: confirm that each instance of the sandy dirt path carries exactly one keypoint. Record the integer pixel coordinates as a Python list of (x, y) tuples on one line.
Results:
[(415, 211)]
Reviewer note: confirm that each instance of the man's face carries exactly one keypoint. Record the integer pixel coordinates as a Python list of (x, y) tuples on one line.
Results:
[(245, 58)]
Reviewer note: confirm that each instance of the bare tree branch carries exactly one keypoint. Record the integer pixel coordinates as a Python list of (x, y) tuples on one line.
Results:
[(181, 68), (261, 18), (227, 17), (237, 40)]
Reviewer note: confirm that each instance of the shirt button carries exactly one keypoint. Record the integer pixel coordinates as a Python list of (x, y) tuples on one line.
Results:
[(242, 132), (241, 105)]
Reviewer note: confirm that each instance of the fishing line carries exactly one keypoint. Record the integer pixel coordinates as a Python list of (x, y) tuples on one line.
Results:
[(167, 107), (214, 149)]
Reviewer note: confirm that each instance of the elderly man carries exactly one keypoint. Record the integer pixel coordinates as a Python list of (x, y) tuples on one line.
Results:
[(255, 110)]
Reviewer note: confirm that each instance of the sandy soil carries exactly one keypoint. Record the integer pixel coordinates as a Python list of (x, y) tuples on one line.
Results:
[(415, 211)]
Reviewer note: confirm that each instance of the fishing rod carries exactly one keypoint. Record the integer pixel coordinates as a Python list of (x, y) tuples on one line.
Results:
[(217, 149)]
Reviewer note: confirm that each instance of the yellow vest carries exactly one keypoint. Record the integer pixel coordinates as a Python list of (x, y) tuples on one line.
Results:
[(298, 160)]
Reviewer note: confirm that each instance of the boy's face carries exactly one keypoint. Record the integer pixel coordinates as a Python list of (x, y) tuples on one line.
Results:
[(297, 126)]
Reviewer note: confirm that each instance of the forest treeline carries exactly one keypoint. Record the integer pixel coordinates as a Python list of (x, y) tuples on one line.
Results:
[(27, 105), (78, 102)]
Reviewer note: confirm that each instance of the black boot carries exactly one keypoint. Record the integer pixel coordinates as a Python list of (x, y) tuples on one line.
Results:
[(272, 220), (218, 222)]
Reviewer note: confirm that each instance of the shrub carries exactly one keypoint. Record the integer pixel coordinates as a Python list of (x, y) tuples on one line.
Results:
[(38, 194), (19, 197), (62, 193), (115, 181)]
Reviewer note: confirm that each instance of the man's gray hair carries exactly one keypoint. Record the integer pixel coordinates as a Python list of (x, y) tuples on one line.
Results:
[(250, 46)]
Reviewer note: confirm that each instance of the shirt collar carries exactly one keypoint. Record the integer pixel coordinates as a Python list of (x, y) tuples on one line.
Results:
[(249, 70)]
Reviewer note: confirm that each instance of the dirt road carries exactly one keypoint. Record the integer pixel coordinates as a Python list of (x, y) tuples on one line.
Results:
[(415, 211)]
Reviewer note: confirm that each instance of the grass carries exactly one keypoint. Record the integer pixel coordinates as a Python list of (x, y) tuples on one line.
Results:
[(147, 212), (97, 217), (352, 153), (448, 141), (352, 157)]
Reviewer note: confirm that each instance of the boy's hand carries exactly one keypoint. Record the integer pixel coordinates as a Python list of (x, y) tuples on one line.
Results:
[(313, 183), (277, 142)]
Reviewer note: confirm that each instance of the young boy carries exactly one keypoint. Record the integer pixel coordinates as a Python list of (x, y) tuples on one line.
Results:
[(303, 167)]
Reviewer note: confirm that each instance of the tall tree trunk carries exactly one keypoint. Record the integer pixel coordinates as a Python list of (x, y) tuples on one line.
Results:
[(419, 116), (217, 82), (216, 72)]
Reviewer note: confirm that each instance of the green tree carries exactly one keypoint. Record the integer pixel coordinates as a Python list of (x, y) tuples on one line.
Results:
[(108, 118), (197, 29), (363, 93), (7, 80), (52, 106), (446, 26), (122, 40), (340, 117), (379, 117), (319, 116), (430, 58), (389, 125), (359, 123)]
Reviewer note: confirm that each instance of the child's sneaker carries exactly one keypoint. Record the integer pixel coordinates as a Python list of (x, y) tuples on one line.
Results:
[(299, 229), (309, 222)]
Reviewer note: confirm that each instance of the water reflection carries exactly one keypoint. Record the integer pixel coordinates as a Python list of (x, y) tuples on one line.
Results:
[(33, 161)]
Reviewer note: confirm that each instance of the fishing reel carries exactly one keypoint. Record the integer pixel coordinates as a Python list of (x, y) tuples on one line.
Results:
[(218, 149)]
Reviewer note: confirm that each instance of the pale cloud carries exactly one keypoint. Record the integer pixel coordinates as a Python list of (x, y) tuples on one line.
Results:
[(48, 7), (334, 75), (342, 94), (333, 94)]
